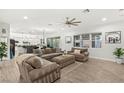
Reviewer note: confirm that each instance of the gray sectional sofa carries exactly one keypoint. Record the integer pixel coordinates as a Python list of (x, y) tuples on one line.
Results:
[(37, 70)]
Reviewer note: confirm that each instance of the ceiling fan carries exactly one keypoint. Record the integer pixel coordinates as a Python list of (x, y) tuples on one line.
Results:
[(71, 22)]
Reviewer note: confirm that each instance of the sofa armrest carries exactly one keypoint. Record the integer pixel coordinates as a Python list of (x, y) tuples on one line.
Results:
[(86, 53)]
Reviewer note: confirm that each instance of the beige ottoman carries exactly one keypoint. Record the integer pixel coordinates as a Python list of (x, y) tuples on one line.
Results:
[(64, 60)]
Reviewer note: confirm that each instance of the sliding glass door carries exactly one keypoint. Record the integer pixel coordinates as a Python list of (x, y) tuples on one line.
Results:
[(53, 42)]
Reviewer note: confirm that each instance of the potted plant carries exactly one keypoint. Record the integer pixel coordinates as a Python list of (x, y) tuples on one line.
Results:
[(119, 52), (3, 50)]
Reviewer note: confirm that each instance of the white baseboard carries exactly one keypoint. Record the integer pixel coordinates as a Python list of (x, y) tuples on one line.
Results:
[(112, 60)]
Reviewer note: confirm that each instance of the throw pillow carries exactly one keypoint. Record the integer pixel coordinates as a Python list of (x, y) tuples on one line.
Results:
[(77, 51), (35, 62), (37, 51), (41, 60)]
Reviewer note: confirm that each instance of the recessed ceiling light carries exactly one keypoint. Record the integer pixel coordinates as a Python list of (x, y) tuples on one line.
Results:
[(104, 19), (25, 17)]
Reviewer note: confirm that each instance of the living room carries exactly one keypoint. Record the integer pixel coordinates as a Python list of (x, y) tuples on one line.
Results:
[(95, 33)]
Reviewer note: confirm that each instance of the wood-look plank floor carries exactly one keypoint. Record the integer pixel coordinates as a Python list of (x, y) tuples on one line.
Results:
[(9, 72), (93, 71)]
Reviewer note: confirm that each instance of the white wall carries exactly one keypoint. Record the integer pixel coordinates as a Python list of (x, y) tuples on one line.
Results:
[(106, 52), (63, 34)]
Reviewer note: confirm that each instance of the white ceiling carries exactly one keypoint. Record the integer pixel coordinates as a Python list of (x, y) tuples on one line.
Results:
[(39, 19)]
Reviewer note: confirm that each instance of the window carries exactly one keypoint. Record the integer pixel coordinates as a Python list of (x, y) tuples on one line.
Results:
[(77, 37), (77, 41), (86, 36), (86, 40), (96, 40), (91, 40)]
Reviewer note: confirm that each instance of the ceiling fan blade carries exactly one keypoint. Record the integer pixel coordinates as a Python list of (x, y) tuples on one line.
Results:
[(74, 24), (77, 22), (86, 11), (72, 19)]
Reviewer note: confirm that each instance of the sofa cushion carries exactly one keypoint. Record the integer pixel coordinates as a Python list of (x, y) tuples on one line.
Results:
[(40, 72), (49, 56), (63, 59), (78, 55), (37, 51), (35, 62), (58, 50), (53, 50), (77, 51), (81, 49), (48, 50)]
